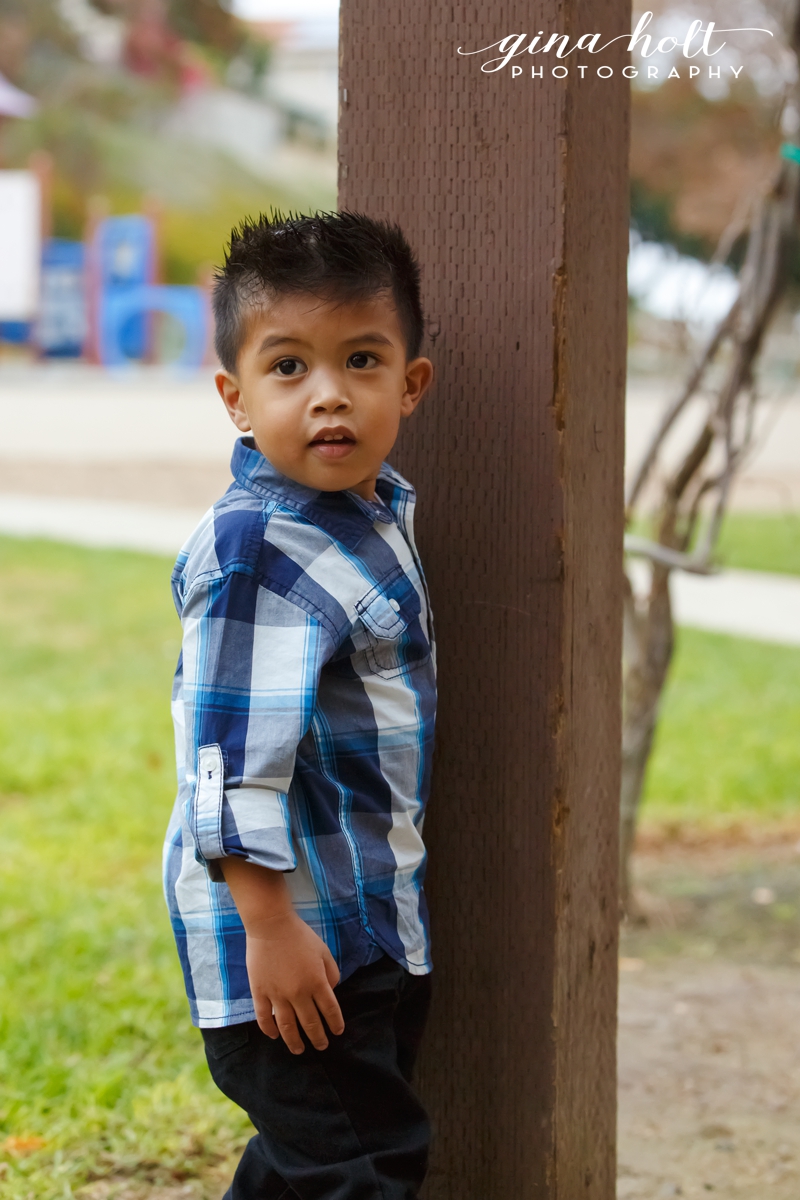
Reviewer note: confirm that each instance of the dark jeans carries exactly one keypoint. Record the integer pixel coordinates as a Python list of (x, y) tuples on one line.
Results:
[(336, 1124)]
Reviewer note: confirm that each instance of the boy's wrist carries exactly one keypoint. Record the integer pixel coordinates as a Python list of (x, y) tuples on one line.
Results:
[(261, 896), (271, 927)]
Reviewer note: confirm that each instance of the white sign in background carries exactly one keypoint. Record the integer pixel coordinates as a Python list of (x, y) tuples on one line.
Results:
[(20, 245)]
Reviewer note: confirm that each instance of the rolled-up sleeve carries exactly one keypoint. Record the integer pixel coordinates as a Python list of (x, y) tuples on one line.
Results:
[(251, 667)]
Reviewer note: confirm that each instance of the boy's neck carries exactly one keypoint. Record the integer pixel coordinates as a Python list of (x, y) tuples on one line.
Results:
[(365, 489)]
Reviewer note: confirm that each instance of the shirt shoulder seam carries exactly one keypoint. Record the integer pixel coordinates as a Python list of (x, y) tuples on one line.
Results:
[(264, 580)]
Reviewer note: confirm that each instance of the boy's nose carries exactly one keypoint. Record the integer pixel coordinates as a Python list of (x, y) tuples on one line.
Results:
[(330, 398)]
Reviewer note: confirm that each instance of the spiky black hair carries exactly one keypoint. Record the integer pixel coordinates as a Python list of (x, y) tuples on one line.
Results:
[(344, 255)]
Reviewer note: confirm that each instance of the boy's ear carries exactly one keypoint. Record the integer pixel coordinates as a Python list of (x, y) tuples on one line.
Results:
[(228, 388), (419, 377)]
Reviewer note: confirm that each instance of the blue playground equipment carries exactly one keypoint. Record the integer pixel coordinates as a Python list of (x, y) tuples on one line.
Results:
[(124, 259), (16, 333), (122, 308), (124, 256), (63, 321)]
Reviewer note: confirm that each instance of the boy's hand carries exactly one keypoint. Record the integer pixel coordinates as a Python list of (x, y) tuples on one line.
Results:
[(292, 972), (292, 976)]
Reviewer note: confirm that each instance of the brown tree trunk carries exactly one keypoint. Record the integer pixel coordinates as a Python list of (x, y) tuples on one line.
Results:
[(648, 645)]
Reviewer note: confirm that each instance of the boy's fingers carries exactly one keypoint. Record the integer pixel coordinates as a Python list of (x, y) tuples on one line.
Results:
[(266, 1021), (328, 1005), (287, 1027), (331, 969), (312, 1024)]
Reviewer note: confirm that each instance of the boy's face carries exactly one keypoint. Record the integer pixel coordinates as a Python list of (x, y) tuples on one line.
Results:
[(322, 385)]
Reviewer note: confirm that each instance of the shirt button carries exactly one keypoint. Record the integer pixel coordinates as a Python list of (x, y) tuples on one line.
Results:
[(393, 604)]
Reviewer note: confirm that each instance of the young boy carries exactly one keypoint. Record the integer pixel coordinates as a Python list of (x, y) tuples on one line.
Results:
[(304, 708)]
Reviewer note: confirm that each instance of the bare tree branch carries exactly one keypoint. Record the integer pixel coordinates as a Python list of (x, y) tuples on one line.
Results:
[(727, 433), (676, 408), (639, 547)]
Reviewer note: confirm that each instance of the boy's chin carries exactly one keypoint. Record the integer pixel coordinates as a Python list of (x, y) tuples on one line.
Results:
[(337, 472), (336, 475), (338, 481)]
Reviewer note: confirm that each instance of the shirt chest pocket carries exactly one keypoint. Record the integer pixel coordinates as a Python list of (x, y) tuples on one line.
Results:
[(389, 631)]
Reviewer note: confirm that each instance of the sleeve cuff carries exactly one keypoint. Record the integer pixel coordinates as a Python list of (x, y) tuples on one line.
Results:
[(250, 822)]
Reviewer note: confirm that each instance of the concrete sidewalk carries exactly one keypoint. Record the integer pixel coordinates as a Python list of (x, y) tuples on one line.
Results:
[(752, 604), (743, 603), (59, 417), (107, 524), (76, 413), (748, 604)]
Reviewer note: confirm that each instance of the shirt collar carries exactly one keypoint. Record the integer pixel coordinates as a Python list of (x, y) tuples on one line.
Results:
[(346, 516)]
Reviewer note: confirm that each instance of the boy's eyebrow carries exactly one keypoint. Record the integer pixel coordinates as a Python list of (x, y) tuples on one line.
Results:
[(280, 339), (372, 336)]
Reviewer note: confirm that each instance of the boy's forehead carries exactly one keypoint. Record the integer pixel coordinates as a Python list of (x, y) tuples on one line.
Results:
[(300, 316)]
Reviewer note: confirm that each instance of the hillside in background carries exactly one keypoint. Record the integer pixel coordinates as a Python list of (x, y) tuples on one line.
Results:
[(125, 88)]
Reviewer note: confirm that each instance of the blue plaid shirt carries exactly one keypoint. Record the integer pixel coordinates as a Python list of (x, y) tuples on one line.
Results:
[(304, 706)]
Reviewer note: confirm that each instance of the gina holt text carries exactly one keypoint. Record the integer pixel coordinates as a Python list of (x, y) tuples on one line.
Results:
[(698, 41)]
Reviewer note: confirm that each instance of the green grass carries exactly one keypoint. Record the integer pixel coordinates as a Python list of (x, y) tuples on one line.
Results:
[(727, 748), (757, 542), (97, 1054)]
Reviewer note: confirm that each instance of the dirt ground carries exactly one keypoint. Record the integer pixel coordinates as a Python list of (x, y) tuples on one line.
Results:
[(709, 1034)]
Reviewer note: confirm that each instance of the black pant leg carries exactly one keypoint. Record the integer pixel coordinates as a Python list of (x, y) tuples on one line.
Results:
[(410, 1019), (338, 1124), (255, 1178)]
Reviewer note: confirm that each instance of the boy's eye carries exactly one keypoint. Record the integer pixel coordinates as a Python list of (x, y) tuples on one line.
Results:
[(361, 360), (289, 366)]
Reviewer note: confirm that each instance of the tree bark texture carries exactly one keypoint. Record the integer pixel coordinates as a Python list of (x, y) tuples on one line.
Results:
[(513, 191), (649, 638)]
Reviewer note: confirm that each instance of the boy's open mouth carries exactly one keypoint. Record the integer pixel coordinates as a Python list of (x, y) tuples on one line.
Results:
[(333, 443)]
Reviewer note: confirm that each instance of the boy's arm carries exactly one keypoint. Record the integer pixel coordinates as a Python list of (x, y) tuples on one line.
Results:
[(251, 665), (292, 972)]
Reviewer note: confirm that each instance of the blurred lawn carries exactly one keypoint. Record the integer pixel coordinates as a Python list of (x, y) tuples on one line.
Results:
[(757, 542), (727, 748), (97, 1055)]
